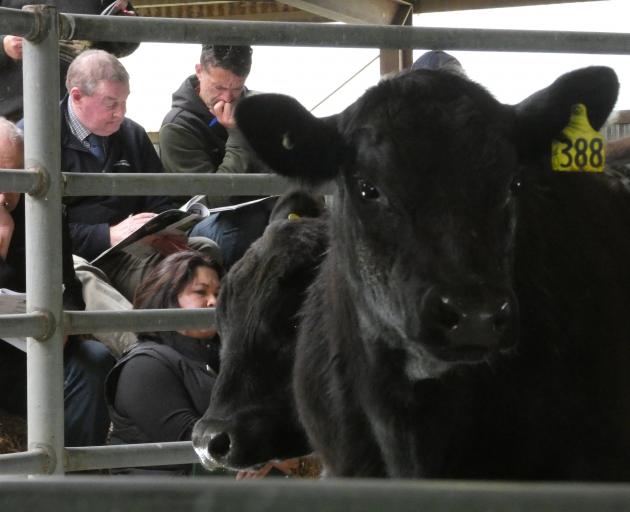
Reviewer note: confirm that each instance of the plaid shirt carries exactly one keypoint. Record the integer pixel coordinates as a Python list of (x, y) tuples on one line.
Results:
[(77, 129)]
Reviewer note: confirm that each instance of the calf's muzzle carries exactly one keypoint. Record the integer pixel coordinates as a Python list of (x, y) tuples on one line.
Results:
[(468, 323)]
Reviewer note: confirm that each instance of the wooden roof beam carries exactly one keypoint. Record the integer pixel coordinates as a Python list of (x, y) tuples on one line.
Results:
[(378, 12), (259, 10)]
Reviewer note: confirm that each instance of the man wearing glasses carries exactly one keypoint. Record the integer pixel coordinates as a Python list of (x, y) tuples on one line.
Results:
[(199, 135)]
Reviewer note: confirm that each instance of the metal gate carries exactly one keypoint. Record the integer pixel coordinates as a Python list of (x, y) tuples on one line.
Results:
[(45, 184)]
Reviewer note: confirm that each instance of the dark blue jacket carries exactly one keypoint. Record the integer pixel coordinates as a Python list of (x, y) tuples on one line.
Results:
[(128, 150)]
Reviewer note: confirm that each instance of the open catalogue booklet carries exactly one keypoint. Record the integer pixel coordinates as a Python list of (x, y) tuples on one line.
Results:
[(170, 223), (13, 303)]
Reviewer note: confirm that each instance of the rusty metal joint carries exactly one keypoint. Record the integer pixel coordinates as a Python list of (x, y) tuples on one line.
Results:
[(42, 22), (48, 326), (42, 184), (50, 458)]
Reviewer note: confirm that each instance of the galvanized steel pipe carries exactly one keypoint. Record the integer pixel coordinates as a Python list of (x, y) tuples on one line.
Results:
[(32, 461), (151, 184), (43, 238), (129, 455), (20, 180), (35, 325), (19, 23), (148, 320), (168, 30)]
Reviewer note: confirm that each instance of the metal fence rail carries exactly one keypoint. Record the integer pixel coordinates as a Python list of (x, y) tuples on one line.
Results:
[(77, 184), (167, 30), (75, 494), (45, 322), (341, 36)]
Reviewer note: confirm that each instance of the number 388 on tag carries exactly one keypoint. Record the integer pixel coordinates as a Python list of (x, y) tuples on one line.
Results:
[(580, 148)]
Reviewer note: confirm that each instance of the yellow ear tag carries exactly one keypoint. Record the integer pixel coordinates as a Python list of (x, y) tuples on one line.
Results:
[(293, 216), (582, 148)]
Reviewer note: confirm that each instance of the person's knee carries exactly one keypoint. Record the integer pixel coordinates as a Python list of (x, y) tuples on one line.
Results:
[(206, 247), (93, 358), (234, 231)]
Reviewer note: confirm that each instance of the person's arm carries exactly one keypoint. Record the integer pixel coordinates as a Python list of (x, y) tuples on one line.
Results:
[(155, 400), (183, 151), (238, 156), (72, 289), (89, 240)]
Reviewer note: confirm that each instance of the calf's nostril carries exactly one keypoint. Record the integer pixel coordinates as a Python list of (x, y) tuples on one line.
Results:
[(502, 317), (219, 445), (447, 314)]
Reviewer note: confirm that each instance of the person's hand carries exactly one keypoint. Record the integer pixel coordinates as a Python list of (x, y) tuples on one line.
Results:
[(288, 467), (13, 47), (224, 113), (121, 8), (6, 228), (121, 5), (123, 229), (168, 244)]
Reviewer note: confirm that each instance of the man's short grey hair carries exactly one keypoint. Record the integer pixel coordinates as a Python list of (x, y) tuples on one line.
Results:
[(234, 58), (92, 67), (10, 132)]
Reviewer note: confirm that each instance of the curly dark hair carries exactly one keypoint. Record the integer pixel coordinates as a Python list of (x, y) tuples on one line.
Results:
[(237, 59)]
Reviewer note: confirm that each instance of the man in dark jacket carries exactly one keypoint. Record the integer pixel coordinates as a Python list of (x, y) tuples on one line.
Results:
[(97, 137), (11, 95), (199, 135)]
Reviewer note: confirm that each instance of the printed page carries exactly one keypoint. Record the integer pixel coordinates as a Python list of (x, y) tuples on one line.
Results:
[(13, 303), (170, 222)]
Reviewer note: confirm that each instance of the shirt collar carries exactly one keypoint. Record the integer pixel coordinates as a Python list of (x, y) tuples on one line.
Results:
[(77, 129)]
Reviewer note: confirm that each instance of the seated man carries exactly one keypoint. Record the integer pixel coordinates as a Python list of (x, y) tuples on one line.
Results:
[(97, 137), (199, 135), (86, 362)]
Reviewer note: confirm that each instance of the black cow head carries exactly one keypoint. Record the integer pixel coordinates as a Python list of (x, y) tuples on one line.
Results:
[(252, 417), (428, 169)]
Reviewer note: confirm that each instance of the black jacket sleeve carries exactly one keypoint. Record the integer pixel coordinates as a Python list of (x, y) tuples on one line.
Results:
[(72, 289)]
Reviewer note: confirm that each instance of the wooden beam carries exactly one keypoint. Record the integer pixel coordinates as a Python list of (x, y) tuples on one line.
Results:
[(393, 61), (350, 11), (378, 12), (259, 10)]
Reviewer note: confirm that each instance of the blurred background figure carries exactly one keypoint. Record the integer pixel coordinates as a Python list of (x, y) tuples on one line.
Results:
[(438, 59)]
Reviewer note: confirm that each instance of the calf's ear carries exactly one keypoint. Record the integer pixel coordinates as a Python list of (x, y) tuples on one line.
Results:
[(289, 139), (543, 115)]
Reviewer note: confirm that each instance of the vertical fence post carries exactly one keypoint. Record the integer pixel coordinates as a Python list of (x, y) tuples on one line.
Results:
[(43, 238)]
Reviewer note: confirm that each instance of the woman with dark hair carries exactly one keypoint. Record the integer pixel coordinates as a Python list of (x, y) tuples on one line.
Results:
[(161, 386)]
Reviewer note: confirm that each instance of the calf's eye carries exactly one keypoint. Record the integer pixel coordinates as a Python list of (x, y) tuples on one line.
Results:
[(516, 186), (367, 191)]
